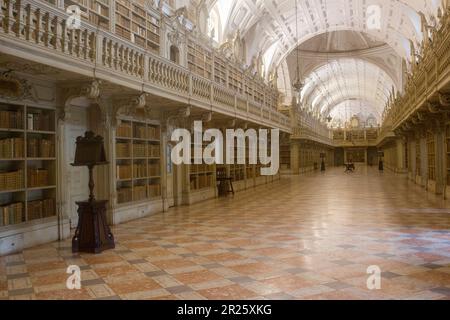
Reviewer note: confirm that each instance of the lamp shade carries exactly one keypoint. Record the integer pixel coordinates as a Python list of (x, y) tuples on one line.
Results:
[(90, 151)]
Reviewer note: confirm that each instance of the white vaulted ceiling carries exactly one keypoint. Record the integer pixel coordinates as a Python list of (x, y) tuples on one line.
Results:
[(266, 21), (358, 82), (347, 80)]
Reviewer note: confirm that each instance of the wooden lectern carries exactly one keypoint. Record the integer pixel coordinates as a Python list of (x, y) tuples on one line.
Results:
[(93, 234)]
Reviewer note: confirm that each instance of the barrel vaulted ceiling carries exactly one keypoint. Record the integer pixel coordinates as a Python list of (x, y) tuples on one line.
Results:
[(345, 80)]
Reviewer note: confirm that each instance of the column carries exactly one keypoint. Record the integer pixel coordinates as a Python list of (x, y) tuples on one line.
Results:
[(440, 161), (423, 159), (401, 156), (295, 154)]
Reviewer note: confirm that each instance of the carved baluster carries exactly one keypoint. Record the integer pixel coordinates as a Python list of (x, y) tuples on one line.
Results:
[(71, 40), (127, 60), (8, 13), (158, 72), (63, 30), (115, 55), (54, 33), (85, 44), (151, 69), (17, 14), (78, 47), (46, 29), (137, 67), (28, 22), (122, 63), (36, 25), (109, 53), (119, 56)]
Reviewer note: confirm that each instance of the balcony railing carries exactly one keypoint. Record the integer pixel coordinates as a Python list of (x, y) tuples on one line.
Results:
[(39, 32), (428, 77)]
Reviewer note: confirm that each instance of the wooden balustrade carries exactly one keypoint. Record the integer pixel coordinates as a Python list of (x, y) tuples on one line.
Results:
[(38, 23), (427, 75)]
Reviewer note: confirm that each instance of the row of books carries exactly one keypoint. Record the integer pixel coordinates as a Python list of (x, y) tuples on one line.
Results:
[(139, 150), (154, 151), (40, 209), (140, 170), (11, 214), (124, 130), (39, 121), (11, 119), (11, 148), (124, 172), (40, 148), (201, 168), (124, 195), (201, 182), (138, 193), (37, 177), (154, 133), (154, 169), (123, 150), (12, 180), (140, 132)]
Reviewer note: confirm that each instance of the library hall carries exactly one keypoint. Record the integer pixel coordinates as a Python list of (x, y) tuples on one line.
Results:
[(242, 150)]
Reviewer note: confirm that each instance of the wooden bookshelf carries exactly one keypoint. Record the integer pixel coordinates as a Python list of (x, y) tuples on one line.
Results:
[(285, 156), (447, 140), (431, 156), (138, 25), (418, 159), (235, 79), (201, 176), (199, 60), (237, 171), (96, 12), (138, 161), (27, 164), (220, 70)]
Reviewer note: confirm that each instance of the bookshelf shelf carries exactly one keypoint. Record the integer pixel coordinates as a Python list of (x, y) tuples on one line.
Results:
[(447, 140), (12, 130), (96, 12), (41, 132), (27, 164), (137, 24), (138, 162), (42, 188)]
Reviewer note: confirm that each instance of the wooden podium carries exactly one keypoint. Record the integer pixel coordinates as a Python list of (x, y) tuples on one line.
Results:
[(93, 234)]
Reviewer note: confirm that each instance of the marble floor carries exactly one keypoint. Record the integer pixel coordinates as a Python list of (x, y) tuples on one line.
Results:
[(306, 237)]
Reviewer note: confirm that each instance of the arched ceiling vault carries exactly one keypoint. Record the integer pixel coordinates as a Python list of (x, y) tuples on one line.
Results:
[(265, 22), (360, 77), (347, 79)]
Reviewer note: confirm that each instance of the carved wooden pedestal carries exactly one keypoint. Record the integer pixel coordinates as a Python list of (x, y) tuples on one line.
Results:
[(93, 234)]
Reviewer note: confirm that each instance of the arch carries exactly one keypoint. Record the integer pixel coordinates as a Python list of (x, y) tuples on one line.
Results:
[(346, 79)]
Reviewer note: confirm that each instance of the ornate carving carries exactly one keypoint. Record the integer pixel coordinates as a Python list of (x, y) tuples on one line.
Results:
[(433, 108), (30, 68), (176, 38), (130, 106), (15, 88), (90, 91), (444, 99)]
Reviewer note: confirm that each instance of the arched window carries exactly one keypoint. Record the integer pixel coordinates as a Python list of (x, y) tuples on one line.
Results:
[(174, 54)]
